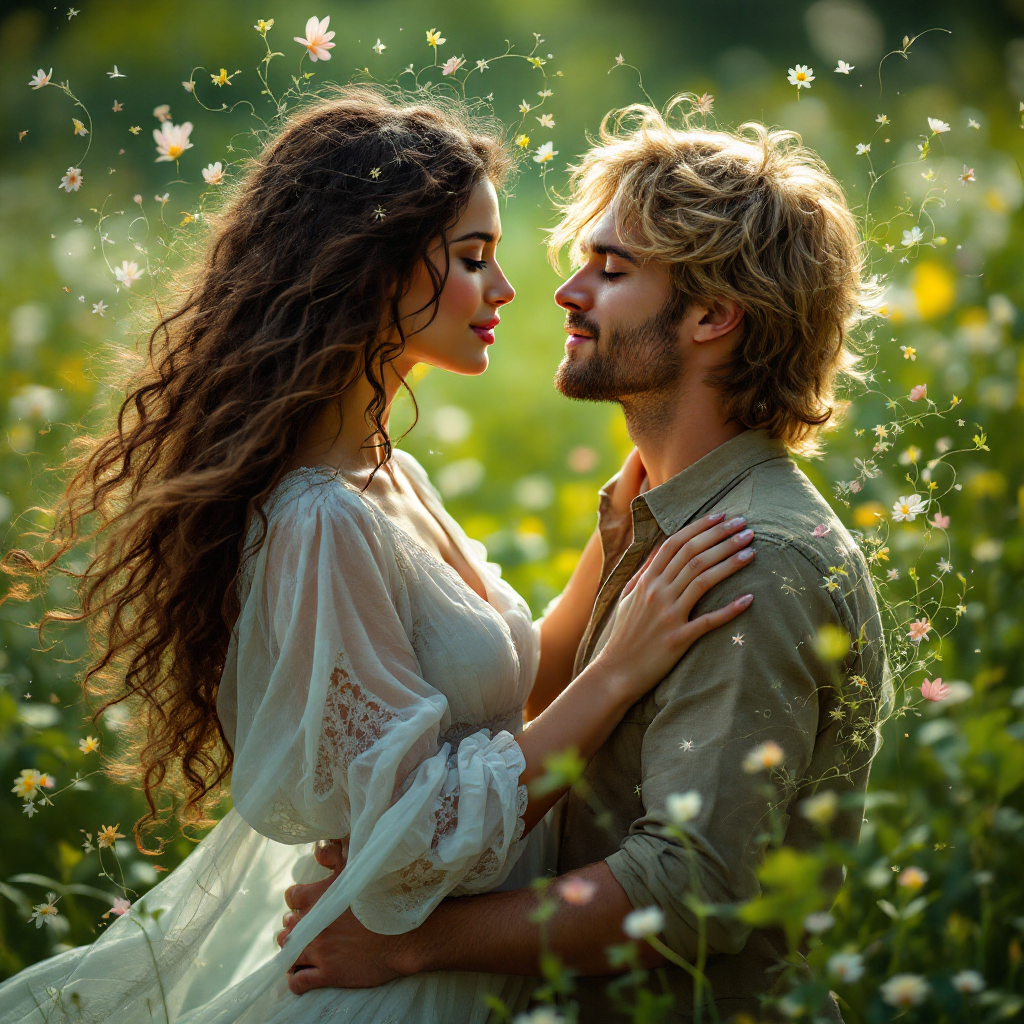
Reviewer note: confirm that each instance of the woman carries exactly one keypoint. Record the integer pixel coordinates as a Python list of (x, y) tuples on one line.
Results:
[(280, 594)]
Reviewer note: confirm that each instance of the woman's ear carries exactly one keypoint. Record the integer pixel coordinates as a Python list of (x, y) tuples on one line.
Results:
[(718, 320)]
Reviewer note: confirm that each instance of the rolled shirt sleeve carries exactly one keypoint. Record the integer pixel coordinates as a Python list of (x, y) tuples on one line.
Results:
[(748, 683)]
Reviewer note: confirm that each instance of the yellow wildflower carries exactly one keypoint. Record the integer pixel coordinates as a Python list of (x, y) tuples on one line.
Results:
[(108, 835), (27, 784), (222, 77)]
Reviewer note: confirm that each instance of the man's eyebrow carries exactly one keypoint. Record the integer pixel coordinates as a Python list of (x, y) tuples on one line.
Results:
[(608, 250), (484, 236)]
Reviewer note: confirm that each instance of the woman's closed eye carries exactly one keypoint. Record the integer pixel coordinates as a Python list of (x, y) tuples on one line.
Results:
[(474, 265)]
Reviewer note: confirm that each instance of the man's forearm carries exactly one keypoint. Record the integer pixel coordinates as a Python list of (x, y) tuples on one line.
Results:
[(493, 933)]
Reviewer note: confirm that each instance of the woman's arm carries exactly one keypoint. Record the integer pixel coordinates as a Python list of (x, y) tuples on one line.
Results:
[(651, 632)]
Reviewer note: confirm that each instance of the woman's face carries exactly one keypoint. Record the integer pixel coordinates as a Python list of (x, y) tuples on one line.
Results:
[(458, 337)]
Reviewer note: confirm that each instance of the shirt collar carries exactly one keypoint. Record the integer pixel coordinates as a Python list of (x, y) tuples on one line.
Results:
[(675, 502)]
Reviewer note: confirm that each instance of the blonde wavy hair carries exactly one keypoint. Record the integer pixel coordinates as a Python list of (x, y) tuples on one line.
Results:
[(750, 215)]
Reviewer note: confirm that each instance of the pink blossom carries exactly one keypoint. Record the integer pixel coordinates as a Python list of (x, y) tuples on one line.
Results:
[(317, 40), (918, 392), (121, 906), (940, 521), (821, 530), (855, 486), (576, 890), (919, 630), (934, 689)]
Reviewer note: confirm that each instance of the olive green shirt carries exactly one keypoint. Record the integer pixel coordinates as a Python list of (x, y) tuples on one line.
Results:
[(755, 680)]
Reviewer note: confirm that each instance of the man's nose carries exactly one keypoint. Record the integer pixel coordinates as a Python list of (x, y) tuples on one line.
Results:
[(574, 295)]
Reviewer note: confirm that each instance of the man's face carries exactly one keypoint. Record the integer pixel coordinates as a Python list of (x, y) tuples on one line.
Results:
[(622, 319)]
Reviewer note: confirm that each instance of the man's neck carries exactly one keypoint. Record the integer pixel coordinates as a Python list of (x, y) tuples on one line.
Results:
[(673, 430)]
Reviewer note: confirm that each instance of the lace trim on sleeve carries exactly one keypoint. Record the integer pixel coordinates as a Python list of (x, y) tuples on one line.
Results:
[(413, 884), (352, 723), (490, 861), (508, 721)]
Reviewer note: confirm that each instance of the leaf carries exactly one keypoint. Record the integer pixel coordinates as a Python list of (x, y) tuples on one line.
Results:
[(889, 909), (497, 1006), (75, 889), (544, 912), (881, 798), (620, 956), (561, 771), (914, 907), (831, 642), (17, 897)]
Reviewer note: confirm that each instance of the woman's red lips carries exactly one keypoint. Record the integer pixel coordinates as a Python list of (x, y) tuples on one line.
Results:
[(485, 331)]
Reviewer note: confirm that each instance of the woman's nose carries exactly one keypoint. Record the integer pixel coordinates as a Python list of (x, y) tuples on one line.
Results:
[(502, 292)]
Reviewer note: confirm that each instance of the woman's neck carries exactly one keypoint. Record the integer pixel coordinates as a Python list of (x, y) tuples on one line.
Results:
[(342, 436)]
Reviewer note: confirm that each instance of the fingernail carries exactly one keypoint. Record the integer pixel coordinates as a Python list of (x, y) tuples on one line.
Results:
[(746, 554), (745, 600), (738, 521), (716, 517), (745, 535)]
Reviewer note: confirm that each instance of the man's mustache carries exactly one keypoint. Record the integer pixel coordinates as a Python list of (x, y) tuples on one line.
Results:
[(578, 322)]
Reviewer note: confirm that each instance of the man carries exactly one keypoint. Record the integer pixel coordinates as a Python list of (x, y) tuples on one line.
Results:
[(718, 276)]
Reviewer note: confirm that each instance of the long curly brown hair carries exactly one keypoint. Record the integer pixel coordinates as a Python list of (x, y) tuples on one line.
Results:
[(294, 299)]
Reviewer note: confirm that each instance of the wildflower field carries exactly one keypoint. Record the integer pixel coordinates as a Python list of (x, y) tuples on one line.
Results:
[(120, 125)]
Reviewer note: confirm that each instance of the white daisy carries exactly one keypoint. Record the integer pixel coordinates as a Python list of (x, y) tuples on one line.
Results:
[(908, 507), (801, 76), (72, 181), (645, 923), (128, 273), (545, 153), (172, 140), (213, 174)]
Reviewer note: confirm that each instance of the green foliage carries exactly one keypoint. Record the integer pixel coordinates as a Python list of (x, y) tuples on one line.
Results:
[(561, 771), (832, 643)]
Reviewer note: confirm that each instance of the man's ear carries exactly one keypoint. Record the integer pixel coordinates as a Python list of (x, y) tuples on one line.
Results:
[(717, 320)]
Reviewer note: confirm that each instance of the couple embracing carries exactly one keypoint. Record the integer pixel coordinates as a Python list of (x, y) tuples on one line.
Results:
[(280, 594)]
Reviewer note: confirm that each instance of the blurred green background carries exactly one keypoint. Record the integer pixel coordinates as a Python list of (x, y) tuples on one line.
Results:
[(518, 464)]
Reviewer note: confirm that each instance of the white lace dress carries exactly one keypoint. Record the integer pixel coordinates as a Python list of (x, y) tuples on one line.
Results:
[(369, 693)]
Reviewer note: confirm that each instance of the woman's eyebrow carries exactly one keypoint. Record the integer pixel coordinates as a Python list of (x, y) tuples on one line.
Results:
[(484, 236)]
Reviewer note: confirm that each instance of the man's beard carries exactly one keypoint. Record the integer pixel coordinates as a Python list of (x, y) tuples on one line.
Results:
[(637, 360)]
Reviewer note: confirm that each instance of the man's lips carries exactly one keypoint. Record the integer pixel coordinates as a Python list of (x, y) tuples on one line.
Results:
[(575, 338), (485, 331)]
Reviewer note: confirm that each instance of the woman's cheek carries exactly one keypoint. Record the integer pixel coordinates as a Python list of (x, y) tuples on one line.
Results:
[(460, 299)]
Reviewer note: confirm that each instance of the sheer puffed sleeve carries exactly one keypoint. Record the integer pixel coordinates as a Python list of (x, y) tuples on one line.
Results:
[(335, 731)]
